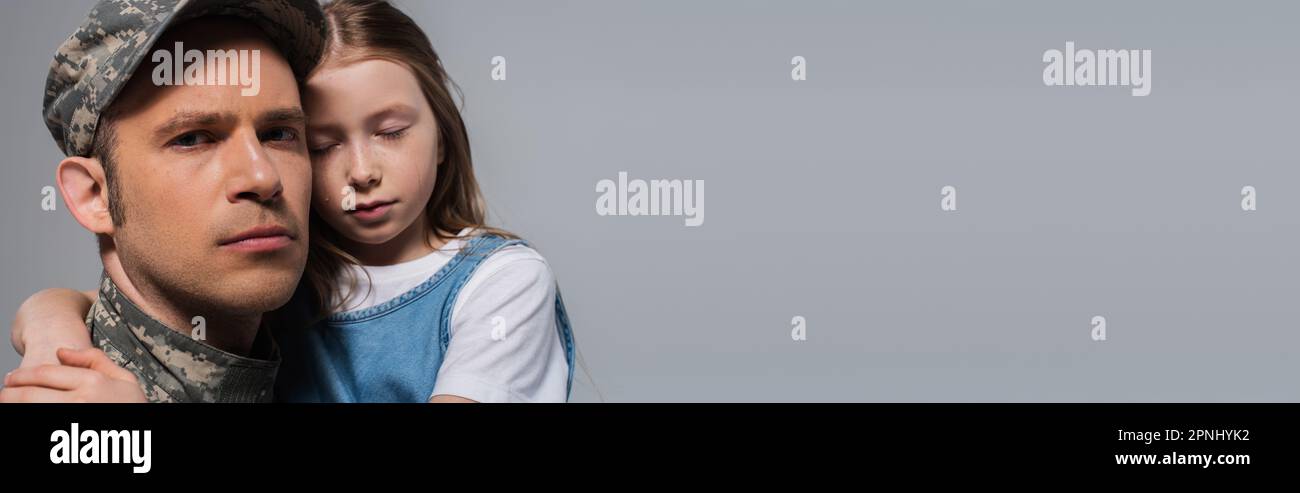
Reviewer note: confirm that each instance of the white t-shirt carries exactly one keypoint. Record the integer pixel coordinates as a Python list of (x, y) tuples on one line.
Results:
[(524, 360)]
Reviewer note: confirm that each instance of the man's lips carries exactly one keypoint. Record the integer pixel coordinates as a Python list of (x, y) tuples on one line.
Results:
[(259, 239)]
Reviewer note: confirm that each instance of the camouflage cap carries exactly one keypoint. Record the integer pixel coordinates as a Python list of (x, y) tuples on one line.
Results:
[(94, 64)]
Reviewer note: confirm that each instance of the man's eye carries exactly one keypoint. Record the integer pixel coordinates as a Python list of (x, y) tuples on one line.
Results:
[(281, 134), (192, 139)]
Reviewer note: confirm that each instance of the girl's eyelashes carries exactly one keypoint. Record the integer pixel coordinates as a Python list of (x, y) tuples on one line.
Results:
[(325, 148), (319, 150), (394, 134)]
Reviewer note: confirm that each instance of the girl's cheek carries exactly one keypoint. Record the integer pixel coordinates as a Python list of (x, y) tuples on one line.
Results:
[(322, 200)]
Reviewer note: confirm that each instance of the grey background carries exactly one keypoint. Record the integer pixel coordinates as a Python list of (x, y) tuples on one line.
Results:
[(822, 196)]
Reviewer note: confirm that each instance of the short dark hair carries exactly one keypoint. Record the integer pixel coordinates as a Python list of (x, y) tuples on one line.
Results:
[(103, 148)]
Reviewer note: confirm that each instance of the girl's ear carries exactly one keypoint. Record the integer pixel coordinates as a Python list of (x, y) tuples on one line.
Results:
[(438, 160), (81, 181)]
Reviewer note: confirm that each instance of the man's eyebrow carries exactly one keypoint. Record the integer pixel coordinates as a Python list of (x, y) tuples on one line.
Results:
[(188, 119), (287, 115)]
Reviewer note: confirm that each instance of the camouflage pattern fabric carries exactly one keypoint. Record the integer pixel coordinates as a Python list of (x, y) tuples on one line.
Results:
[(173, 367), (95, 63)]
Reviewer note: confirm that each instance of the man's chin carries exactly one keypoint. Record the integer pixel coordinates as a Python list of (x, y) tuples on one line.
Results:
[(259, 290)]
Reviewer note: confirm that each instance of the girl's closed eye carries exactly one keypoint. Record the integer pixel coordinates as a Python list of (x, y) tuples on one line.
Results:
[(321, 148), (394, 134)]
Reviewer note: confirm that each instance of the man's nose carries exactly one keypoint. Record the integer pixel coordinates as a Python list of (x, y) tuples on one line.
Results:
[(251, 173)]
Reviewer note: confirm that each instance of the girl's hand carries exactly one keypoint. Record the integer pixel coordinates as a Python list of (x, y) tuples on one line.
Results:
[(86, 375), (49, 320)]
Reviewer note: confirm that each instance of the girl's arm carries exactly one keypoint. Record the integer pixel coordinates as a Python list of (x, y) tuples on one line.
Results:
[(450, 399), (59, 364), (49, 320), (86, 375)]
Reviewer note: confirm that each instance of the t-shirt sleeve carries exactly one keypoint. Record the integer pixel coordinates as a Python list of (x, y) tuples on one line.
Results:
[(504, 343)]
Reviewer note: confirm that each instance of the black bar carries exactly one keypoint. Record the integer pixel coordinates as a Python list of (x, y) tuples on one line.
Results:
[(325, 441)]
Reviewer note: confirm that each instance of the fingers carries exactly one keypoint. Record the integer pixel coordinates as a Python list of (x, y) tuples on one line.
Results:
[(94, 359), (52, 376), (34, 394), (81, 358)]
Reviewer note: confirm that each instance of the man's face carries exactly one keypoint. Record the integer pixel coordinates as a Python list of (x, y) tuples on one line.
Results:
[(215, 185)]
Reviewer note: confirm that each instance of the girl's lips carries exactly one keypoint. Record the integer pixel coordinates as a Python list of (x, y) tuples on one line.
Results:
[(371, 213)]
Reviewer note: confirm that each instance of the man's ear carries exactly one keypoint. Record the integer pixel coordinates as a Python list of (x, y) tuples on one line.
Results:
[(81, 181)]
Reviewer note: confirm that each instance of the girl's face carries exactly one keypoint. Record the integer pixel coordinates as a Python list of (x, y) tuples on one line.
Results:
[(375, 149)]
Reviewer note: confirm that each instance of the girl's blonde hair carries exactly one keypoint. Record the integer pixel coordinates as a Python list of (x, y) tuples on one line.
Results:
[(374, 29)]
